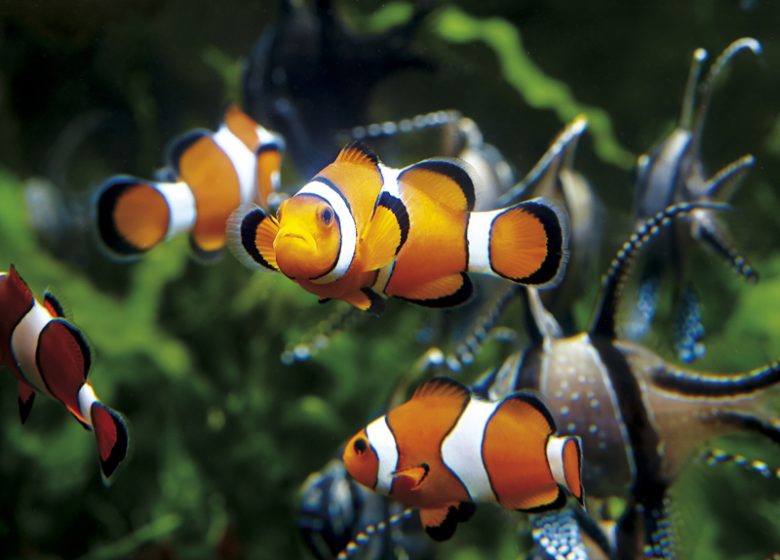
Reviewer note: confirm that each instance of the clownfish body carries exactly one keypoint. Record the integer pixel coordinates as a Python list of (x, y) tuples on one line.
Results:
[(212, 174), (47, 354), (445, 449), (360, 231)]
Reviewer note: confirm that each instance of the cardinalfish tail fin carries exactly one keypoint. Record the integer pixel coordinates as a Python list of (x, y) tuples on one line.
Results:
[(564, 455), (372, 531), (527, 243), (250, 233), (134, 215), (112, 438)]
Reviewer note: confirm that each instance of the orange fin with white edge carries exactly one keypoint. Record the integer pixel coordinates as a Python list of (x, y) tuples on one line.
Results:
[(412, 477), (527, 243), (441, 387), (440, 523), (133, 215), (564, 455), (251, 232), (386, 233), (446, 181), (366, 299), (449, 291)]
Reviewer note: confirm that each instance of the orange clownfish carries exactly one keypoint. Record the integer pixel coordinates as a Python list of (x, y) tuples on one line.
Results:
[(213, 173), (359, 231), (445, 449), (47, 354)]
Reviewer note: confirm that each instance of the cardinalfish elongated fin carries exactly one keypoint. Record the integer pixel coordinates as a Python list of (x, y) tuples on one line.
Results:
[(448, 182), (134, 215), (250, 233), (526, 243)]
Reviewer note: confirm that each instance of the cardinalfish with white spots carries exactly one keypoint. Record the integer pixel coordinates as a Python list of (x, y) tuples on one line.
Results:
[(49, 355), (360, 231), (211, 174), (445, 449)]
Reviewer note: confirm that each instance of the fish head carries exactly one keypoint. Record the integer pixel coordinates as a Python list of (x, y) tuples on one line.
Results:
[(309, 238), (360, 459)]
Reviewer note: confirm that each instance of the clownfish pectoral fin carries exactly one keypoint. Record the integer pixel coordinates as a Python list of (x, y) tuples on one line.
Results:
[(446, 181), (412, 477), (251, 234), (386, 233), (527, 243), (111, 436), (366, 299), (53, 305), (440, 523), (564, 455), (25, 400), (448, 291)]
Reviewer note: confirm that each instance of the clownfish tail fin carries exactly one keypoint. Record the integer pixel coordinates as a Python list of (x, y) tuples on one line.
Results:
[(134, 215), (527, 243), (112, 438), (564, 455)]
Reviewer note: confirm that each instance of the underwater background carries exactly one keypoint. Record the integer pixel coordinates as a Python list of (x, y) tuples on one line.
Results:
[(223, 432)]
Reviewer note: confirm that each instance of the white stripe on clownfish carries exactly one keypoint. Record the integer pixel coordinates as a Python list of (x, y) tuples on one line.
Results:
[(478, 240), (24, 344), (383, 441), (243, 160), (461, 450), (87, 398), (349, 234), (181, 205), (555, 447)]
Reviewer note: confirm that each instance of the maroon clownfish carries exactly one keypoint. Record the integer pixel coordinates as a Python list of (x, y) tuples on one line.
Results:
[(360, 231), (212, 174), (49, 355), (445, 449)]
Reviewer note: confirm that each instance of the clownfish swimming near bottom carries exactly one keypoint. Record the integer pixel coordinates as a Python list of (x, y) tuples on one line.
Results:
[(47, 354), (445, 449)]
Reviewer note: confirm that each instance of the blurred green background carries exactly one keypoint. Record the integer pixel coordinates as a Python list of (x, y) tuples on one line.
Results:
[(222, 432)]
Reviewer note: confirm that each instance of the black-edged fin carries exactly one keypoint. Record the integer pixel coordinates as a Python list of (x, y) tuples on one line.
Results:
[(357, 152), (441, 387), (440, 523), (202, 255), (387, 231), (180, 145), (449, 291), (250, 233), (447, 181), (107, 197), (112, 439), (52, 304), (612, 283), (557, 503), (717, 385), (710, 234), (25, 399)]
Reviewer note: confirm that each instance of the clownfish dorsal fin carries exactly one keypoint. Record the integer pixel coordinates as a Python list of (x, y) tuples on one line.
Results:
[(448, 291), (446, 181), (527, 409), (386, 233), (53, 305), (19, 285), (441, 387), (359, 153), (440, 523)]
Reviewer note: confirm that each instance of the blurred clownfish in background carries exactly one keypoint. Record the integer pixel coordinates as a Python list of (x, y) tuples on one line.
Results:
[(360, 231), (445, 449), (211, 174), (47, 354)]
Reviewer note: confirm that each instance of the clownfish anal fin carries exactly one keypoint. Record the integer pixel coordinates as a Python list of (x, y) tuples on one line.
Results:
[(440, 523), (448, 291), (386, 233), (251, 232), (441, 386), (446, 181), (557, 502), (357, 152), (52, 304), (366, 299), (466, 510), (25, 400)]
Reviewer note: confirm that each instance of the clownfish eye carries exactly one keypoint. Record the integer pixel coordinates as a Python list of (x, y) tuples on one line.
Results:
[(326, 215), (360, 446)]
